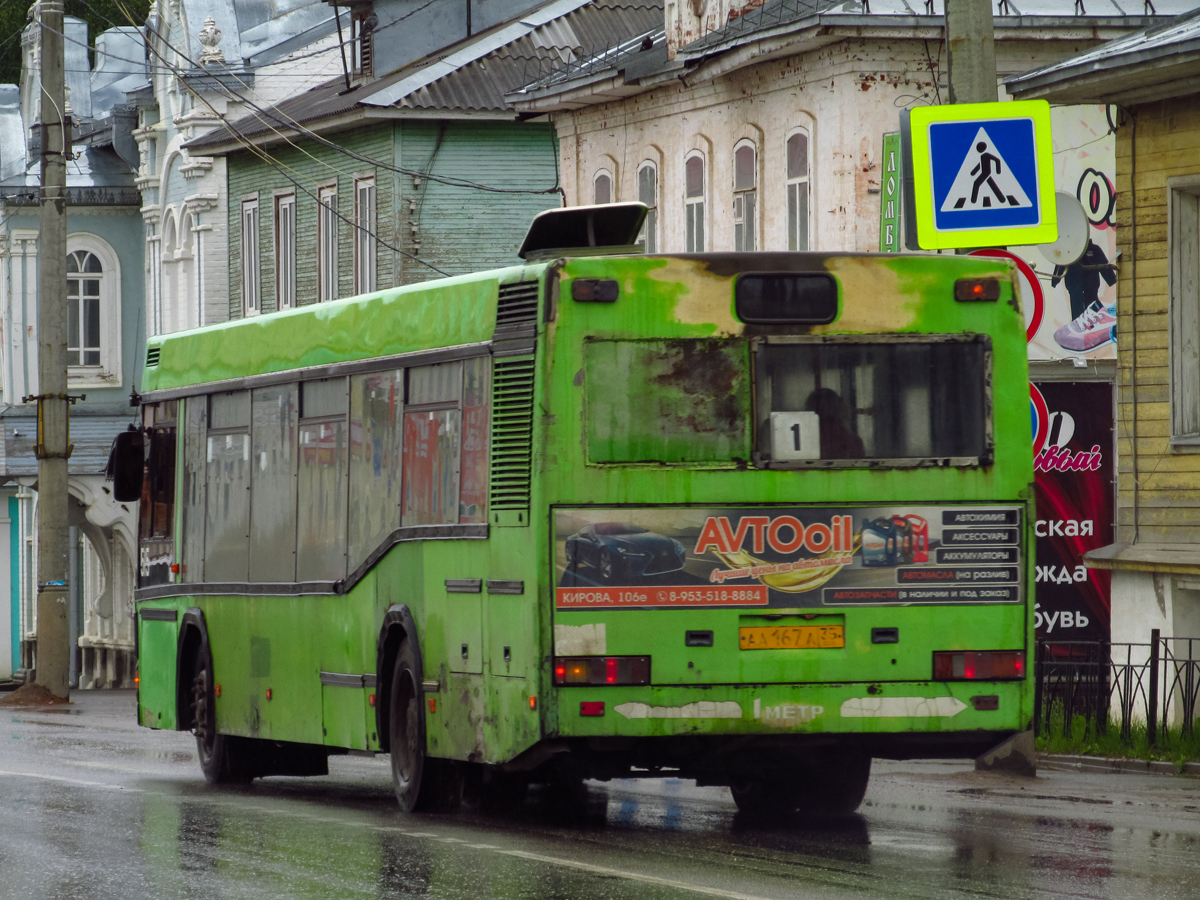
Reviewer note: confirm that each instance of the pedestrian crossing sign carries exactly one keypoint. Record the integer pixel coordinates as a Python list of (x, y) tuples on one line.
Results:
[(983, 175)]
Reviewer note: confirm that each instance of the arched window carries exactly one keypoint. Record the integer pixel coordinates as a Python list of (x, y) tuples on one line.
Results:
[(84, 277), (93, 312), (602, 187), (797, 190), (693, 200), (647, 186), (745, 197)]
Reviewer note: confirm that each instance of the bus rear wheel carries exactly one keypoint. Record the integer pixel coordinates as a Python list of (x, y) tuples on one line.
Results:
[(830, 787), (420, 783), (220, 756)]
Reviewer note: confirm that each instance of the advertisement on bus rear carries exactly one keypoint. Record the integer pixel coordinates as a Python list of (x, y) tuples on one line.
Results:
[(684, 557)]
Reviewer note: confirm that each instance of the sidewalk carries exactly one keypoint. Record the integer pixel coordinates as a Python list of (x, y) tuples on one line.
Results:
[(1062, 762)]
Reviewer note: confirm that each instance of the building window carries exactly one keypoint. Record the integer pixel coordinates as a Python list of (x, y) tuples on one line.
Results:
[(84, 275), (745, 197), (250, 264), (327, 244), (1184, 261), (797, 190), (285, 251), (647, 185), (364, 235), (602, 187), (93, 311), (693, 201)]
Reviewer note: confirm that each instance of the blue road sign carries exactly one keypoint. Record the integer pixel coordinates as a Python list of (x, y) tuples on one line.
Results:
[(983, 174)]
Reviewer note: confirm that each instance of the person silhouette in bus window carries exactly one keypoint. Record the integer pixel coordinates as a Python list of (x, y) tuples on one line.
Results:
[(838, 440)]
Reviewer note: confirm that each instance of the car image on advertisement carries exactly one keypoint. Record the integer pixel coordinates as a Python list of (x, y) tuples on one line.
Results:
[(620, 552)]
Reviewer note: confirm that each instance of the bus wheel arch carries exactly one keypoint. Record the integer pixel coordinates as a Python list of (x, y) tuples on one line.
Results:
[(193, 640), (398, 624)]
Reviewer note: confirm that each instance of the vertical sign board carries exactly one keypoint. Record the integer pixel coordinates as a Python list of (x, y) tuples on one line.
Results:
[(1073, 484), (890, 195), (982, 174)]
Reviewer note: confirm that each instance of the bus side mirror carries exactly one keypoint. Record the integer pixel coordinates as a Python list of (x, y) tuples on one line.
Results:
[(126, 463)]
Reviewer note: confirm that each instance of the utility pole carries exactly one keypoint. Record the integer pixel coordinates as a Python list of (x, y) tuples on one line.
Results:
[(53, 615), (971, 51)]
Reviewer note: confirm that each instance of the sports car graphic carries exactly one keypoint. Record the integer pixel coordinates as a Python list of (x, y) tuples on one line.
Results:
[(619, 552)]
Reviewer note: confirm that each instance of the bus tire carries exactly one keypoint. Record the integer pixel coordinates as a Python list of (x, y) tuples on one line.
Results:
[(420, 783), (831, 787), (222, 758)]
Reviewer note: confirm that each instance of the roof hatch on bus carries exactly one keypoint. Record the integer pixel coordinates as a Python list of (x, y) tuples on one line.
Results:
[(611, 228)]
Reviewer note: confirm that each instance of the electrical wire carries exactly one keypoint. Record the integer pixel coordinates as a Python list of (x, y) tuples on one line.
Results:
[(288, 122), (280, 167)]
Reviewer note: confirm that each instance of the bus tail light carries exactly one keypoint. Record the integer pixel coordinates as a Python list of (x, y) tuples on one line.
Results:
[(602, 670), (978, 665)]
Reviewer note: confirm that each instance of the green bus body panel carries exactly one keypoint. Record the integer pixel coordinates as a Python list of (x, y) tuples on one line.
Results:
[(448, 313), (482, 709), (157, 648)]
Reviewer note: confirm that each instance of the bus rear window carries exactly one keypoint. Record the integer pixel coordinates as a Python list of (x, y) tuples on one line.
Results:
[(883, 402), (674, 401)]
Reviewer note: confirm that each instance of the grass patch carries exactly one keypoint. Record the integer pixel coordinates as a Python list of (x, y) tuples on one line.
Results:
[(1086, 739)]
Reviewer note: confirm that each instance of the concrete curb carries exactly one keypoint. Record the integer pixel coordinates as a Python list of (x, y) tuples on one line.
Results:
[(1066, 763)]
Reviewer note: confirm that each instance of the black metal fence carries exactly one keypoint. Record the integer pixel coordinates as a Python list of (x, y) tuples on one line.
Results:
[(1157, 683)]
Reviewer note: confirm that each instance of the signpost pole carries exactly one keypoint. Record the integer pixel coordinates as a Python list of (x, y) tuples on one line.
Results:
[(971, 51), (53, 626)]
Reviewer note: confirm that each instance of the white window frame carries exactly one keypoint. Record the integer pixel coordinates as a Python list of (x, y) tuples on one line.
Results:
[(364, 234), (327, 244), (285, 250), (694, 208), (745, 202), (108, 373), (1183, 254), (793, 196), (649, 236), (612, 187), (251, 264)]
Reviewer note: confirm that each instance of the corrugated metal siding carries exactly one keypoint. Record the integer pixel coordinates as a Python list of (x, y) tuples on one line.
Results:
[(313, 165), (462, 229), (91, 435)]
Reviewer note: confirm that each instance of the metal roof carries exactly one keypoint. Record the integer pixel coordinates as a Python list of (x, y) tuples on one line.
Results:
[(469, 77), (1152, 64), (617, 71), (91, 436)]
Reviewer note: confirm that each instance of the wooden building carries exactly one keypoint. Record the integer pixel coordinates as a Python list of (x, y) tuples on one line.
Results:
[(1151, 77)]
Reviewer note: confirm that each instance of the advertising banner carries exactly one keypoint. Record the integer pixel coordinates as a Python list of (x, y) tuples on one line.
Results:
[(679, 557), (1073, 463), (1070, 310)]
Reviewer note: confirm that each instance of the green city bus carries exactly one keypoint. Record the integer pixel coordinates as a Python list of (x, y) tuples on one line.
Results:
[(746, 518)]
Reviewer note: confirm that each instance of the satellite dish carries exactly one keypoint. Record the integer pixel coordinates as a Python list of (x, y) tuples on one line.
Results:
[(1072, 232)]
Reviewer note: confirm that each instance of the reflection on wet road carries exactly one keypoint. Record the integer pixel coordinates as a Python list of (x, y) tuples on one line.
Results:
[(96, 807)]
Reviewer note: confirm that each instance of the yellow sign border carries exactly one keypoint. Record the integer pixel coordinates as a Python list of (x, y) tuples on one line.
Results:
[(928, 235)]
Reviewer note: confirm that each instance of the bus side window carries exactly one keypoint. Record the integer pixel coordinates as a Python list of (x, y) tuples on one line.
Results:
[(476, 414), (227, 513), (432, 444), (273, 436), (322, 493), (376, 411), (157, 510), (194, 488)]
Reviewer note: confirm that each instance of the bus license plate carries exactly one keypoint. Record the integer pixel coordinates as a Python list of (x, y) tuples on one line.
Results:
[(791, 637)]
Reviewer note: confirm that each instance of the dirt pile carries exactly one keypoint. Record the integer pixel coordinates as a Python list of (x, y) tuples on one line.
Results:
[(31, 695)]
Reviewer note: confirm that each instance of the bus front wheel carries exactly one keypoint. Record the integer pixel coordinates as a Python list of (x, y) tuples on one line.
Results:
[(420, 783), (220, 759)]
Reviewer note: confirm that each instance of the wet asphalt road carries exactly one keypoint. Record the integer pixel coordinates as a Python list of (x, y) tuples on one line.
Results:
[(95, 807)]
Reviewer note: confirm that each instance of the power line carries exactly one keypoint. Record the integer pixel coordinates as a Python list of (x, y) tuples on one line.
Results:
[(284, 121), (280, 167)]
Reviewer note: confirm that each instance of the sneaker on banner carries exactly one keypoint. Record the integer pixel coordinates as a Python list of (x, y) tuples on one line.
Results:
[(1094, 326)]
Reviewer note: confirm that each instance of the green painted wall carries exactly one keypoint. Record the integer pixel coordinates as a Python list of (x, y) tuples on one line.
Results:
[(454, 227)]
